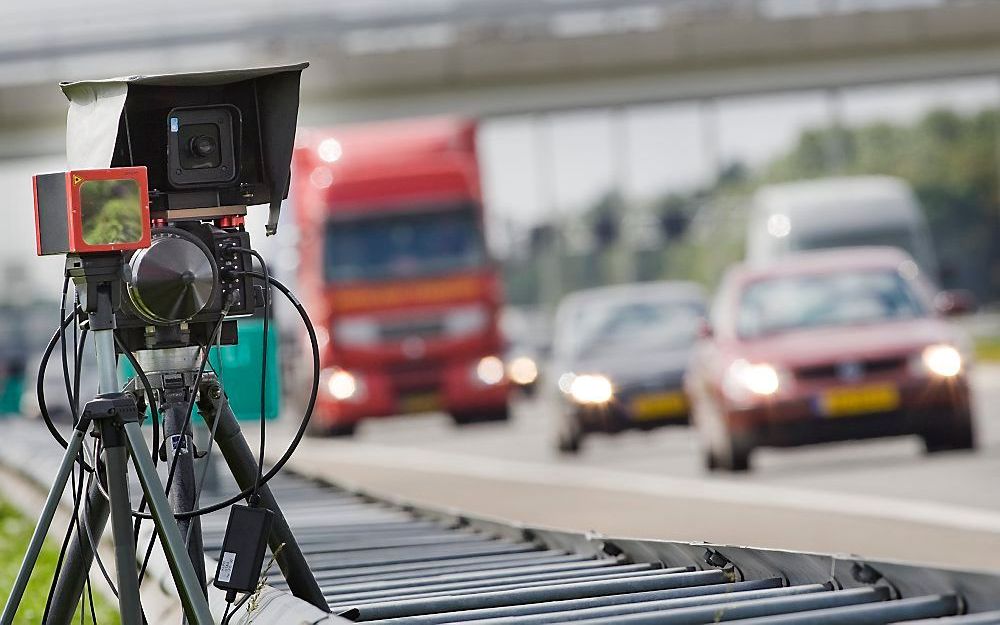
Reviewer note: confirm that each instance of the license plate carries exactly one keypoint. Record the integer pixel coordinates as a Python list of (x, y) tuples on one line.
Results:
[(659, 406), (420, 402), (849, 402)]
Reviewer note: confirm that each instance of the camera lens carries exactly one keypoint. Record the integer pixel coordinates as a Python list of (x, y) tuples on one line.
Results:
[(203, 146)]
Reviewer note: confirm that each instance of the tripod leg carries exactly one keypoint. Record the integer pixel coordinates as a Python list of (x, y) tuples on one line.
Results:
[(228, 436), (188, 586), (116, 463), (182, 489), (69, 586), (44, 521)]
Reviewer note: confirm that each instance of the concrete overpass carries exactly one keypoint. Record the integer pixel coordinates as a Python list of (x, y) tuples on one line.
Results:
[(379, 59)]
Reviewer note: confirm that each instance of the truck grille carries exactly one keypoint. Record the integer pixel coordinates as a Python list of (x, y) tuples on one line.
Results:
[(379, 563), (399, 330)]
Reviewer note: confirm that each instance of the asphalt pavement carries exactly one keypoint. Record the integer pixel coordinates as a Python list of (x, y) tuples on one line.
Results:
[(882, 498)]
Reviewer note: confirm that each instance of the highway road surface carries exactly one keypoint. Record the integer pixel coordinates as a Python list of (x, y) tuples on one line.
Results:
[(881, 498)]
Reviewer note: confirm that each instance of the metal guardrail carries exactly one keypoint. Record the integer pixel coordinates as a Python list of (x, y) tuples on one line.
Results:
[(384, 562)]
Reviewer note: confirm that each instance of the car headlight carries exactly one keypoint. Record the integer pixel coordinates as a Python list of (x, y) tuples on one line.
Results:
[(490, 370), (522, 370), (760, 379), (942, 360), (343, 385), (591, 389)]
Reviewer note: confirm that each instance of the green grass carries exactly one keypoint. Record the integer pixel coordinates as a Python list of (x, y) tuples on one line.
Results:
[(988, 349), (15, 532)]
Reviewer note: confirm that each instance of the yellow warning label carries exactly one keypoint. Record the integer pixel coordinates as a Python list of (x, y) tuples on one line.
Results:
[(77, 179)]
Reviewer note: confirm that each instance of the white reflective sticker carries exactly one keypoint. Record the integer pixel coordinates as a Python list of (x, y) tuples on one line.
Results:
[(226, 566)]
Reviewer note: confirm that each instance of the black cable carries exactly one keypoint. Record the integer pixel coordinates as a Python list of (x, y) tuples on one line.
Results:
[(255, 496), (216, 334), (303, 424), (207, 462), (306, 416), (62, 344), (78, 364), (236, 608), (154, 413), (94, 543), (90, 601), (74, 487), (39, 382), (65, 544)]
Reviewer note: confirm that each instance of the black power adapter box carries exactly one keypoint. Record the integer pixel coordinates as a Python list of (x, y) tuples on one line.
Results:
[(243, 549)]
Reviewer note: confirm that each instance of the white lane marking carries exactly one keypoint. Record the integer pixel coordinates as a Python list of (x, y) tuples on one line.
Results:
[(730, 492), (985, 376)]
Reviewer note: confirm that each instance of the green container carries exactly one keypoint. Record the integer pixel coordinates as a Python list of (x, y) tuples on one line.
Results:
[(11, 388), (238, 367)]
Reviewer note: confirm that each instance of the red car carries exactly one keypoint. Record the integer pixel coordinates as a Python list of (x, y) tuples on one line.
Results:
[(829, 346)]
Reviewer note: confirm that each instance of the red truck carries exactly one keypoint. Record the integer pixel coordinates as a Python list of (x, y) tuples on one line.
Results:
[(395, 273)]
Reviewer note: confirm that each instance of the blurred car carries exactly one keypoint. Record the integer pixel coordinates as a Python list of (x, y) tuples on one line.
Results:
[(619, 358), (828, 346)]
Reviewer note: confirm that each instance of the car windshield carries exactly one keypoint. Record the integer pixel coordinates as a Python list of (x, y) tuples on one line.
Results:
[(402, 245), (649, 323), (832, 299)]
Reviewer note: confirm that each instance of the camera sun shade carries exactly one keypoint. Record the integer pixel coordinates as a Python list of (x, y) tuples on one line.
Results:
[(91, 210), (207, 139)]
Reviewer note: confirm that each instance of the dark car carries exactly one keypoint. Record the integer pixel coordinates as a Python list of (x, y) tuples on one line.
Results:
[(619, 358), (828, 346)]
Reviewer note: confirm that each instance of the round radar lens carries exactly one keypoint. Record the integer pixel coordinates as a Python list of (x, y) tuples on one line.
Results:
[(173, 279), (203, 146)]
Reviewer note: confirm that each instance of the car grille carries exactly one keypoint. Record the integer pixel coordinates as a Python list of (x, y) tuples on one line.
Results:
[(862, 369), (666, 383)]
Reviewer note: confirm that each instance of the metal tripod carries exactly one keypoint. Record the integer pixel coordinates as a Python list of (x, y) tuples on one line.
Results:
[(115, 419)]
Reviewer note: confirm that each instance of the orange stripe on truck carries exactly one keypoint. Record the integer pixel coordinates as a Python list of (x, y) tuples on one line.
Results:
[(398, 295)]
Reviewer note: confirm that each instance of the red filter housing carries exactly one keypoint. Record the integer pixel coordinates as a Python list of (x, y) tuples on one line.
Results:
[(91, 210)]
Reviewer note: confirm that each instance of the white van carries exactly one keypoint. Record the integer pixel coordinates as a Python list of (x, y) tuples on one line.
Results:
[(838, 212)]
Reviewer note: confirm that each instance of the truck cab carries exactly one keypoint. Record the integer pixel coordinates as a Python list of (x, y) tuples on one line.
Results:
[(838, 212), (396, 275)]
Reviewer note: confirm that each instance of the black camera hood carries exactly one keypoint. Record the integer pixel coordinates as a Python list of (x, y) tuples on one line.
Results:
[(115, 122)]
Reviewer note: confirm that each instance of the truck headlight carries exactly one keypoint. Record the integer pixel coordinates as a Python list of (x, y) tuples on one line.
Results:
[(942, 360), (490, 370), (343, 385), (522, 370), (591, 389)]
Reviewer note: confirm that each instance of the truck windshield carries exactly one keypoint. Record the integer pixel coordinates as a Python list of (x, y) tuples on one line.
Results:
[(902, 238), (402, 245), (840, 298)]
